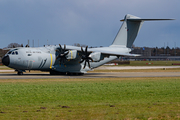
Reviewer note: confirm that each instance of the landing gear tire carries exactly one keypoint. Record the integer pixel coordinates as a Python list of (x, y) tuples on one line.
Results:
[(20, 73), (80, 73), (74, 74), (52, 72)]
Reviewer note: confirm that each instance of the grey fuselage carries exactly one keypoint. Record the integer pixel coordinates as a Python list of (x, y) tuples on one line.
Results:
[(44, 59)]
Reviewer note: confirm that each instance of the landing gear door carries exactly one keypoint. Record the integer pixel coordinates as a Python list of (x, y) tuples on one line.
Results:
[(30, 64)]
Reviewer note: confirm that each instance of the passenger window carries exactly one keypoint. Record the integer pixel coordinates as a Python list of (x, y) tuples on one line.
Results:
[(16, 53), (29, 54), (12, 53)]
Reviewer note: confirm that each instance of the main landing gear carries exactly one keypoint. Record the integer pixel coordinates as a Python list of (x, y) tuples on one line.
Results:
[(52, 72)]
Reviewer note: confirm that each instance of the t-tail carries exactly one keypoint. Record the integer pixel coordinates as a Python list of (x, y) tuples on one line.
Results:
[(129, 30)]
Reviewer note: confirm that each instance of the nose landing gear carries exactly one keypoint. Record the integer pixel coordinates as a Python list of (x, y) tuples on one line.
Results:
[(19, 72)]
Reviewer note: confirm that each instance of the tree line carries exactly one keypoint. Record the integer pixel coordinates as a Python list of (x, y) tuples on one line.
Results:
[(165, 51)]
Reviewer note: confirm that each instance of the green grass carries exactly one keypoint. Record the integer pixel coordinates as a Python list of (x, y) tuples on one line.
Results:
[(103, 98), (2, 67), (152, 63)]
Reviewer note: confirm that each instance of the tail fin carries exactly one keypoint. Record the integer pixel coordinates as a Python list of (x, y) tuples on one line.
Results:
[(129, 30)]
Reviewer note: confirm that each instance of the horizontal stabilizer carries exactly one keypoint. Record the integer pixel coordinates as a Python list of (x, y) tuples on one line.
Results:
[(139, 20)]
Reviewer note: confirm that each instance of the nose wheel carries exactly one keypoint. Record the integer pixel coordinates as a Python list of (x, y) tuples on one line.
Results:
[(20, 73)]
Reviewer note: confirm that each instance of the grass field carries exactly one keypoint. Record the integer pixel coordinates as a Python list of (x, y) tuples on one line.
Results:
[(101, 98), (152, 63), (2, 67)]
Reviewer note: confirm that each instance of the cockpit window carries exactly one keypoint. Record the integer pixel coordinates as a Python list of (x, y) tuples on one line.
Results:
[(9, 52), (13, 52)]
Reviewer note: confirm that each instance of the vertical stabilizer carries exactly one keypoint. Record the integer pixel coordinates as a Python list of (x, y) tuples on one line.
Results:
[(128, 31)]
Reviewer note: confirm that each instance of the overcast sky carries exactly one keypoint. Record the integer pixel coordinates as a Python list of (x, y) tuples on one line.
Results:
[(90, 22)]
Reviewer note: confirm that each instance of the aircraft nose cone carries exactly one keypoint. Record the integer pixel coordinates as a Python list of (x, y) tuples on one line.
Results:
[(6, 60)]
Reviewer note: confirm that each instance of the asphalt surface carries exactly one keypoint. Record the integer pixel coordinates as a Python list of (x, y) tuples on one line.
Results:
[(118, 68), (136, 67), (10, 74), (91, 75)]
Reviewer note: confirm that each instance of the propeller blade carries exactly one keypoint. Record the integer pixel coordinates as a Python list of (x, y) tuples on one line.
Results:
[(81, 61), (84, 64), (66, 53), (85, 57), (62, 54), (86, 49), (57, 50), (60, 46), (58, 56), (82, 50), (90, 59), (89, 64), (89, 53)]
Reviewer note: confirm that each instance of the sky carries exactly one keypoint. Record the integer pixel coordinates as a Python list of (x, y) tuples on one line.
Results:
[(89, 22)]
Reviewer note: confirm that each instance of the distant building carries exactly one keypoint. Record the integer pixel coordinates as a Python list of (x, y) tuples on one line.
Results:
[(151, 54), (143, 51)]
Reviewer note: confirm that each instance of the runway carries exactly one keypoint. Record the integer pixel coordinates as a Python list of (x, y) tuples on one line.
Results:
[(117, 68), (136, 67), (10, 74), (90, 75)]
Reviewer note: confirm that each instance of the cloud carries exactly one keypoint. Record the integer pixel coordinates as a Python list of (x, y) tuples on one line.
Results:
[(91, 22)]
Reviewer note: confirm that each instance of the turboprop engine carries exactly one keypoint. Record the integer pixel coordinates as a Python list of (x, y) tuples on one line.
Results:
[(73, 54), (97, 56)]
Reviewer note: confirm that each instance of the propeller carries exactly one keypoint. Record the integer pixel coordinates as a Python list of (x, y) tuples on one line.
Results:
[(62, 54), (85, 57)]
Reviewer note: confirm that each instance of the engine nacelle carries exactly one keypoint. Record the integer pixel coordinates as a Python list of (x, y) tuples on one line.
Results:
[(72, 54), (97, 56)]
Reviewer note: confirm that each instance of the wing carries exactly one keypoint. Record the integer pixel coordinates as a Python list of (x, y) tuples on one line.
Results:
[(114, 51), (110, 51)]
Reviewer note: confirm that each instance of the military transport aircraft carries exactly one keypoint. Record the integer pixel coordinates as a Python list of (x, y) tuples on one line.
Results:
[(70, 60)]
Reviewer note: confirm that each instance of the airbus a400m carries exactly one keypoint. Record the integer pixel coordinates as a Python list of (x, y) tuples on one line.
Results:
[(75, 60)]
